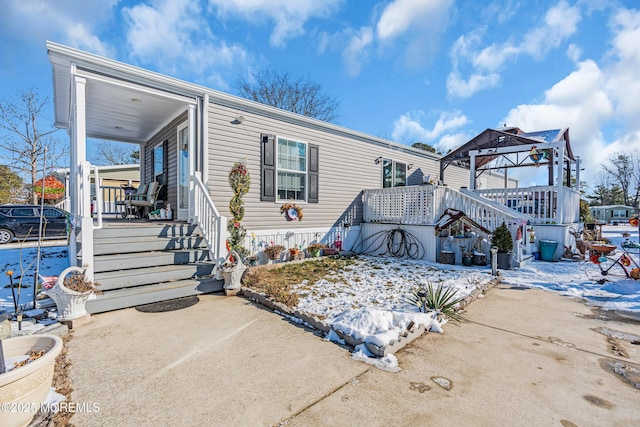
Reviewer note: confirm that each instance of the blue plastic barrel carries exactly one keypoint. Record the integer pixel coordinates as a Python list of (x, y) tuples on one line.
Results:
[(547, 249)]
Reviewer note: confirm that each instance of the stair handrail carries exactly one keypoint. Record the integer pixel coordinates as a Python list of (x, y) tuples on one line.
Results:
[(513, 213), (211, 223), (494, 213)]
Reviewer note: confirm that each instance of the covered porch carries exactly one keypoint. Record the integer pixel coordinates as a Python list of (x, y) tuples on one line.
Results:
[(166, 119)]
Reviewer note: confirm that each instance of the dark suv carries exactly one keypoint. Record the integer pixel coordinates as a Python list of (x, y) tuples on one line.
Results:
[(23, 222)]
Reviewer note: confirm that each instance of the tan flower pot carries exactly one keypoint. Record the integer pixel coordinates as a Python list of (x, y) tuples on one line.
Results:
[(23, 389)]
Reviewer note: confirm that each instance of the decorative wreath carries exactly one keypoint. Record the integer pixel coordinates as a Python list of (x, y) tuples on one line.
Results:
[(292, 211)]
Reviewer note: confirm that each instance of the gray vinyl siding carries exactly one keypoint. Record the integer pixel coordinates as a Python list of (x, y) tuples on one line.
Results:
[(170, 133), (346, 167)]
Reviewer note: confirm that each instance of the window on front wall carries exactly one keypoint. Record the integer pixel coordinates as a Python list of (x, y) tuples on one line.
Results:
[(292, 170), (394, 174), (289, 170)]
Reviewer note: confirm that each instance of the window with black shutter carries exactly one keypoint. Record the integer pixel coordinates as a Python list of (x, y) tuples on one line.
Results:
[(289, 170)]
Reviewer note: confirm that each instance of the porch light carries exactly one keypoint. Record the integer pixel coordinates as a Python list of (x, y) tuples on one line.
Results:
[(378, 160)]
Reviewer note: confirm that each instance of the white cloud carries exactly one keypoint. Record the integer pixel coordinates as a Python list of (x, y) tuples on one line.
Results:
[(560, 22), (401, 15), (460, 88), (407, 128), (418, 23), (289, 17), (65, 21), (579, 102), (451, 142), (356, 51), (172, 35), (623, 81)]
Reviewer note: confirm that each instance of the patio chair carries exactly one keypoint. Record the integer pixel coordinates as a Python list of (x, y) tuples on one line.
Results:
[(141, 205), (140, 192)]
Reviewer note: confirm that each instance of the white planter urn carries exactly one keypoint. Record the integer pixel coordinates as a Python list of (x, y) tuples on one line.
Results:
[(25, 388), (232, 273), (70, 304)]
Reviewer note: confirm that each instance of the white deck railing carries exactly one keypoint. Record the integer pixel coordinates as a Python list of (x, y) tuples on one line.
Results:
[(207, 217), (544, 204), (421, 205)]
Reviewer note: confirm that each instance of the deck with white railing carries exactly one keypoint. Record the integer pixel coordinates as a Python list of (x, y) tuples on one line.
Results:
[(423, 205), (544, 204)]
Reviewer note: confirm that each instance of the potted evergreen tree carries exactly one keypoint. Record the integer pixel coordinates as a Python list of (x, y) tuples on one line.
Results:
[(503, 240)]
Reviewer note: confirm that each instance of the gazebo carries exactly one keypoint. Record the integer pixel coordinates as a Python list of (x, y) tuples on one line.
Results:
[(507, 148)]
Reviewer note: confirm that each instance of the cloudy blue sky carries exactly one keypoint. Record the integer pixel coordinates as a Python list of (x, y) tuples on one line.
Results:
[(435, 71)]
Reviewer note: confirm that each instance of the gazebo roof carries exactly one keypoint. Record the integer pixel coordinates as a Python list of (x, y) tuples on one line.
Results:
[(492, 139)]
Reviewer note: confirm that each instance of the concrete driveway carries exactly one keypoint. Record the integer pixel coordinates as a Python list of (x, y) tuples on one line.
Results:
[(527, 357)]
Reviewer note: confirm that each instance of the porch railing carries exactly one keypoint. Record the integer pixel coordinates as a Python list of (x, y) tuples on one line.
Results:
[(422, 205), (110, 194), (544, 204), (211, 223), (64, 204)]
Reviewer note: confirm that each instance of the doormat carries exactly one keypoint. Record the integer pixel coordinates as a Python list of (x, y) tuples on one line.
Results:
[(170, 305)]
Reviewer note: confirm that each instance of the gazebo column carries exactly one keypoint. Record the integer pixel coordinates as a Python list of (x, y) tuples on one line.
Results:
[(578, 161), (560, 186), (472, 170)]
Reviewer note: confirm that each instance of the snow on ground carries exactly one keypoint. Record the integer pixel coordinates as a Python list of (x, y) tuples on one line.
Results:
[(368, 299), (53, 259), (575, 279)]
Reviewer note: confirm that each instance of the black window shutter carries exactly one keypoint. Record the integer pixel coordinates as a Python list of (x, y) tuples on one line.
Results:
[(268, 189), (313, 174)]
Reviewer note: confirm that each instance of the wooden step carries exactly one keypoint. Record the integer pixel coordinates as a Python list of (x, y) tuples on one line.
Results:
[(149, 229), (131, 297), (148, 275), (146, 243), (103, 263)]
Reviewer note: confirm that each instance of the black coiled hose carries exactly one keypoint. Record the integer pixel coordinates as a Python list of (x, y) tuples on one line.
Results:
[(397, 243)]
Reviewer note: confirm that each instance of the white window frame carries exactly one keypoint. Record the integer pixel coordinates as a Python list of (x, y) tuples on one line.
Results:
[(619, 213), (393, 172), (279, 169)]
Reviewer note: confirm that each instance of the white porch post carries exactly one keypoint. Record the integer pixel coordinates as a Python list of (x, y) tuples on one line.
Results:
[(142, 163), (560, 186), (80, 179), (192, 160), (205, 140), (472, 170)]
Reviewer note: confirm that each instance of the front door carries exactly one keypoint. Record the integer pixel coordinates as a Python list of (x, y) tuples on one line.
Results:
[(183, 172)]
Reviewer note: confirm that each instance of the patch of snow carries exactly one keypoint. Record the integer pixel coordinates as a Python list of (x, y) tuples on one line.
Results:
[(387, 363)]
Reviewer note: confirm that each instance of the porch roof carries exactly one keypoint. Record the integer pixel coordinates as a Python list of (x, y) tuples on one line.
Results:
[(492, 139)]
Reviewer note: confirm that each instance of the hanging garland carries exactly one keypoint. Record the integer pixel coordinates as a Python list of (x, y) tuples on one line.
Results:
[(292, 211), (240, 182)]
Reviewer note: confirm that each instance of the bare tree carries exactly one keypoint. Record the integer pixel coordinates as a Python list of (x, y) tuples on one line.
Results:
[(116, 153), (24, 144), (623, 168), (301, 96)]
